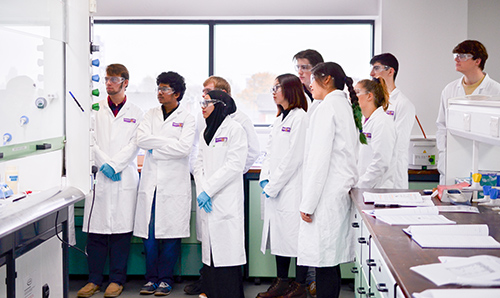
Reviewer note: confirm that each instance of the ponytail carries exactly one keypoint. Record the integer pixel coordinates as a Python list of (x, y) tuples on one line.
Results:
[(356, 110), (378, 88)]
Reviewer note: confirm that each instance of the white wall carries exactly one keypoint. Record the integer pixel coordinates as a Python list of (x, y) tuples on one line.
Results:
[(420, 33)]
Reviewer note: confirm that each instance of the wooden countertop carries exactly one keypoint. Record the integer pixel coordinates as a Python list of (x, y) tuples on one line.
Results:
[(401, 253)]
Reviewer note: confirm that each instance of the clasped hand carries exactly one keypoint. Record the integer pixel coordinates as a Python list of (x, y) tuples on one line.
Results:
[(205, 202)]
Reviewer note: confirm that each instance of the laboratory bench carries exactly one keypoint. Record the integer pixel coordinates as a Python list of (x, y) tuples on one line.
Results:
[(384, 253), (33, 259)]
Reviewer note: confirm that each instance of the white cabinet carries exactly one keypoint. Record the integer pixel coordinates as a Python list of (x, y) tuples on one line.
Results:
[(473, 136)]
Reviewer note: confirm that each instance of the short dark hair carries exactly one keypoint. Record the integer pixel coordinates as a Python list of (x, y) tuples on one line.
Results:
[(174, 80), (117, 70), (473, 47), (293, 92), (313, 56), (387, 59)]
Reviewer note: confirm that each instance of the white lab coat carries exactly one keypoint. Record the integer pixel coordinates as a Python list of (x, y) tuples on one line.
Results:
[(219, 172), (167, 171), (455, 89), (282, 166), (252, 155), (329, 173), (312, 106), (115, 144), (402, 110), (377, 159)]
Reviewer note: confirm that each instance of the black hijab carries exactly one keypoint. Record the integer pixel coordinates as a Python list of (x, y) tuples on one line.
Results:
[(218, 114)]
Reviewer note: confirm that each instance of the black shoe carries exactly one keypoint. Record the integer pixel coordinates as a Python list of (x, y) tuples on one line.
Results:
[(194, 288), (148, 288)]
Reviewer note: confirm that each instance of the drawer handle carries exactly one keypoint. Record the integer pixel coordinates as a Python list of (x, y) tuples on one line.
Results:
[(355, 225), (361, 291), (382, 287), (362, 240), (371, 263), (354, 270)]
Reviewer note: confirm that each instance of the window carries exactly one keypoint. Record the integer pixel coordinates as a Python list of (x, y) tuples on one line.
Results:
[(249, 54)]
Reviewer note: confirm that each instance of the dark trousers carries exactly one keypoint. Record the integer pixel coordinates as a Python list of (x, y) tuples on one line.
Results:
[(283, 265), (161, 254), (223, 282), (98, 248), (328, 281)]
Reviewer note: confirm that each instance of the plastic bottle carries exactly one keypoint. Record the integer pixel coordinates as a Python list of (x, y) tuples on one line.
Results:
[(11, 178)]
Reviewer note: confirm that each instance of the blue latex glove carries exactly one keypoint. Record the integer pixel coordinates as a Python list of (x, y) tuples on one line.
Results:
[(204, 202), (263, 183), (117, 176), (264, 193), (107, 170), (150, 151)]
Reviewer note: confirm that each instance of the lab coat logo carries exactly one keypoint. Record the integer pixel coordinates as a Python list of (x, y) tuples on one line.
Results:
[(223, 139), (286, 129), (368, 135), (177, 124), (129, 120), (390, 113)]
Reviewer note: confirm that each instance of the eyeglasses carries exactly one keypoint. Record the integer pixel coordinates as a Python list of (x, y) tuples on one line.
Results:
[(164, 90), (379, 68), (205, 103), (359, 91), (303, 67), (275, 88), (114, 80), (462, 57)]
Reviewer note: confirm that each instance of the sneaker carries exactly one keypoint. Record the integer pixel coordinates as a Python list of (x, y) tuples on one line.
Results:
[(194, 288), (163, 289), (148, 288), (277, 289), (113, 290), (202, 295), (311, 288), (88, 290)]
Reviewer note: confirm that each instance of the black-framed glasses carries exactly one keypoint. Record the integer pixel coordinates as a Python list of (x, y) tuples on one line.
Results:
[(275, 88)]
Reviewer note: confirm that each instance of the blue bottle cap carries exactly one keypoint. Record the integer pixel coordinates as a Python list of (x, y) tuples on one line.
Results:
[(95, 78), (486, 190), (95, 62), (493, 193)]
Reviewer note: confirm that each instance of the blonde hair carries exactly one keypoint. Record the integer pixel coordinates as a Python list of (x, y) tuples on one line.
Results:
[(219, 83)]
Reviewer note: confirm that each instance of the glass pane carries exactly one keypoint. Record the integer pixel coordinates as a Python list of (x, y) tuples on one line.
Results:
[(149, 49), (251, 56)]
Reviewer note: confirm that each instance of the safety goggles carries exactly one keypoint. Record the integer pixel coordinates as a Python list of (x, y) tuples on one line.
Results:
[(275, 88), (164, 90), (303, 67), (462, 56), (114, 80), (205, 103), (379, 68)]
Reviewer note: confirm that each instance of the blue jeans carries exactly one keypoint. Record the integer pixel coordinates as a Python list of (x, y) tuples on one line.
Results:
[(161, 254), (98, 247)]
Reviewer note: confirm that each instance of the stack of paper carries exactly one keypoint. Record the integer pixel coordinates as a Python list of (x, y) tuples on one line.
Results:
[(410, 216), (396, 199), (458, 293), (478, 271), (452, 236)]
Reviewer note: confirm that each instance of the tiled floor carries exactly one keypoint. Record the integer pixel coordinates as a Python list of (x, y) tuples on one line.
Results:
[(134, 284)]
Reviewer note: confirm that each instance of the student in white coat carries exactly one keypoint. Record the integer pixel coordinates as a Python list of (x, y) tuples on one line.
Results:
[(219, 184), (470, 58), (219, 83), (164, 202), (281, 181), (376, 165), (329, 170), (401, 110), (109, 217)]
